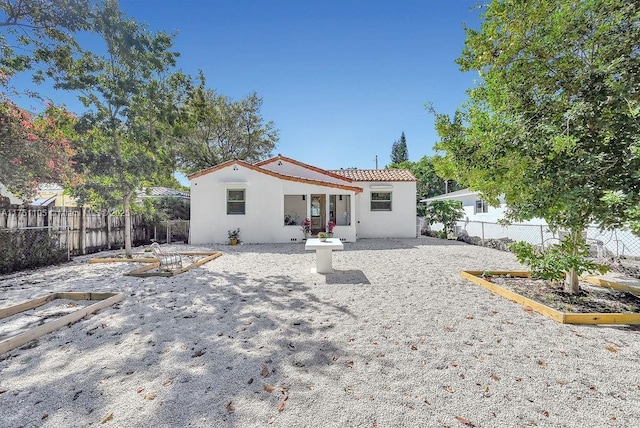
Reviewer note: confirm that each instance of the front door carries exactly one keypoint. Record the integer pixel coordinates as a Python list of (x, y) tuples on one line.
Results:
[(318, 208)]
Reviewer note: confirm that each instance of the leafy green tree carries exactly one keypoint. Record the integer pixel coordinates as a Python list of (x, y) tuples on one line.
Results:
[(554, 122), (133, 97), (445, 212), (221, 129), (41, 32), (429, 183), (399, 151)]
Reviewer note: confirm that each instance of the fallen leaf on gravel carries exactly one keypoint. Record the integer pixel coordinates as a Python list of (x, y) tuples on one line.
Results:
[(350, 364), (166, 382), (281, 406), (518, 379), (542, 363), (269, 388), (427, 402), (107, 418), (199, 353), (265, 371), (449, 389), (45, 416), (494, 377), (611, 349), (469, 317), (230, 408), (545, 414), (414, 348), (139, 390), (528, 309), (150, 396), (464, 421)]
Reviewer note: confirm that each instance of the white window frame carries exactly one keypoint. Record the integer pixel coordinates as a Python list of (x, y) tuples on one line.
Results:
[(481, 207), (243, 201), (389, 201)]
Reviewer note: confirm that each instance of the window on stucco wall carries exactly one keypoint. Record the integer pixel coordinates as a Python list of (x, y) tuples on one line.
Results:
[(481, 207), (380, 201), (235, 202)]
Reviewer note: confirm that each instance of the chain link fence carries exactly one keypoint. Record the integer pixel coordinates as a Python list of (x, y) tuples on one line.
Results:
[(169, 231), (604, 243), (30, 247)]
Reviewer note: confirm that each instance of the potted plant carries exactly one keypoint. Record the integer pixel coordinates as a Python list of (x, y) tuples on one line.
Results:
[(306, 227), (234, 236), (330, 227), (322, 236)]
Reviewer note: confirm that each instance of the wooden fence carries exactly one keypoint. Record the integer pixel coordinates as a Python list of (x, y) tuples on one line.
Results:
[(80, 229)]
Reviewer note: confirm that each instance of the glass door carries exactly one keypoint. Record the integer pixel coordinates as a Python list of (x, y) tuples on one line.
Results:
[(318, 215)]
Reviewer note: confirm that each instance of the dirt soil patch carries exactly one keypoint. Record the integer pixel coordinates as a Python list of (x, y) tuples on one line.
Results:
[(591, 299)]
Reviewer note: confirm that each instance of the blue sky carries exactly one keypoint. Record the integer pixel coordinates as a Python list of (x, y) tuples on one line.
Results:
[(340, 79)]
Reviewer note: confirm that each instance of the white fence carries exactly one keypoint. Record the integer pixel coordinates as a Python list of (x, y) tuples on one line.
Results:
[(619, 243)]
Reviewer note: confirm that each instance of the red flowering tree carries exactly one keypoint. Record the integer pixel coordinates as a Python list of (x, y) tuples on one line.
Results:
[(35, 148)]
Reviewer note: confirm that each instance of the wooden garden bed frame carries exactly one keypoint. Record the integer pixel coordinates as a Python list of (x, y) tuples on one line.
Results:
[(105, 300), (554, 314), (153, 263)]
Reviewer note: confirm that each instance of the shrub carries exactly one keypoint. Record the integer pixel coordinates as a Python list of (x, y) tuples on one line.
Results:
[(28, 248), (553, 263)]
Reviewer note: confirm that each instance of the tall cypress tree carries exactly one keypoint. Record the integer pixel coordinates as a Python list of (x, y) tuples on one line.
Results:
[(399, 152)]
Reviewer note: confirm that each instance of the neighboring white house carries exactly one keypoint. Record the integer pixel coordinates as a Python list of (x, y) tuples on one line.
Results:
[(476, 209), (479, 219), (269, 200)]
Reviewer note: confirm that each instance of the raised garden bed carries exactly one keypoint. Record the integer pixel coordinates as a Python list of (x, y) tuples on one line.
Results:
[(599, 302)]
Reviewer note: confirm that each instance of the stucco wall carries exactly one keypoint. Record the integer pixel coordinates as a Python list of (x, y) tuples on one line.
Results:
[(294, 170), (400, 222)]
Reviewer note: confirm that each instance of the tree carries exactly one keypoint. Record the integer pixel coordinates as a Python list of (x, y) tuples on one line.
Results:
[(445, 212), (35, 149), (134, 100), (554, 122), (40, 31), (221, 129), (429, 183), (399, 152)]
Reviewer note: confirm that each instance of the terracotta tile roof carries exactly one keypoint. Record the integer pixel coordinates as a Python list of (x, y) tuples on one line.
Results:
[(273, 174), (376, 174)]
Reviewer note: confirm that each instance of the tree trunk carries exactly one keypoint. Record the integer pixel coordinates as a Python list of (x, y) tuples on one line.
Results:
[(571, 285), (571, 282), (127, 226)]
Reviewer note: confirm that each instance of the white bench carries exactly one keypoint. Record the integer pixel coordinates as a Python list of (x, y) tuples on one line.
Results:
[(324, 252)]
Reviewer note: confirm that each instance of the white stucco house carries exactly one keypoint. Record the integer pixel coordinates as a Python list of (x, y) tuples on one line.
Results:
[(269, 200)]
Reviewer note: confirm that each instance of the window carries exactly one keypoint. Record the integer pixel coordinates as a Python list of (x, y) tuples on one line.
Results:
[(295, 209), (235, 201), (380, 201), (481, 207)]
